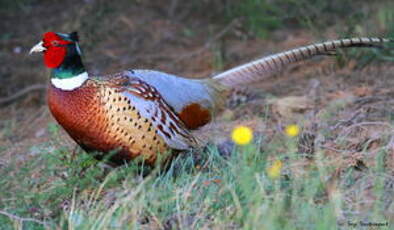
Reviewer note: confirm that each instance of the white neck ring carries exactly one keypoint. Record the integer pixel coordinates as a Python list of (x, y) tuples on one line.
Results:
[(71, 83)]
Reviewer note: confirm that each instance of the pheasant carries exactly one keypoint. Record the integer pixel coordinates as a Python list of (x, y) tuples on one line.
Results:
[(145, 113)]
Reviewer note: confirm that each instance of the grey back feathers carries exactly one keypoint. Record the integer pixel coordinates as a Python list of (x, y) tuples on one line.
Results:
[(178, 92), (264, 67)]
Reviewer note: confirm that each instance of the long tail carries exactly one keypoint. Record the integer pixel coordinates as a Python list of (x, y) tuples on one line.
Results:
[(264, 67)]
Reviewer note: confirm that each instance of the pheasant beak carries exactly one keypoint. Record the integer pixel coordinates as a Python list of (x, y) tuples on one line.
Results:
[(37, 48)]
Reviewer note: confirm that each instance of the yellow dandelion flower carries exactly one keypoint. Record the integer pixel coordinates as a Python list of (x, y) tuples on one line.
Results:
[(292, 130), (242, 135), (274, 170)]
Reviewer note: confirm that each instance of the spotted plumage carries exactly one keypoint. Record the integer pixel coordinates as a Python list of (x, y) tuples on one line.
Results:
[(144, 113)]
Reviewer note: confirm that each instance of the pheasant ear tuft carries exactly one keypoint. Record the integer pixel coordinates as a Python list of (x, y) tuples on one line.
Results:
[(74, 36)]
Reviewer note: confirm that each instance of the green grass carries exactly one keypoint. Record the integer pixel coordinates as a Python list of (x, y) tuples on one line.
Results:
[(69, 191), (262, 16)]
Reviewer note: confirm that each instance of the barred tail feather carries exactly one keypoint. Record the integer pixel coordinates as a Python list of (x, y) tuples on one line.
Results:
[(262, 68)]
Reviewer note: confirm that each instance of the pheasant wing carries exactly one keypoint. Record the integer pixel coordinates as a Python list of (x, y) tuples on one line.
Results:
[(150, 104)]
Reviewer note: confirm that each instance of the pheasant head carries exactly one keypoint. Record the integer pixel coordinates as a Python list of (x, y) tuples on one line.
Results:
[(63, 55)]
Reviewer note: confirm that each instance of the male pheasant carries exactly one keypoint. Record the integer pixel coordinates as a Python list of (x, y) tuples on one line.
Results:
[(144, 112)]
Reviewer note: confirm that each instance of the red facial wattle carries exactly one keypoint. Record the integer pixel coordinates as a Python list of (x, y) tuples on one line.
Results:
[(56, 49)]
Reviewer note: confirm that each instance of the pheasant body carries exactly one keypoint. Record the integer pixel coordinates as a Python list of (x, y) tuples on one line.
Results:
[(120, 113), (144, 112)]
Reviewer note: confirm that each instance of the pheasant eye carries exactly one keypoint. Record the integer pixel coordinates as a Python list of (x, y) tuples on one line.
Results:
[(55, 43)]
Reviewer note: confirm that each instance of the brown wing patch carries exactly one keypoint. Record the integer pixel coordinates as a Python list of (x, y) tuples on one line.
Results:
[(195, 116)]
